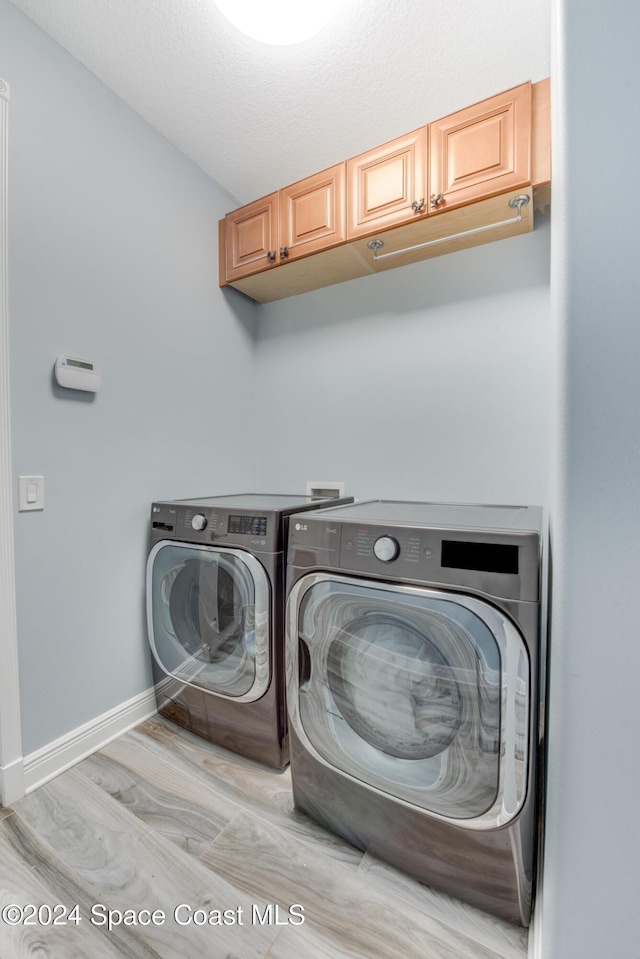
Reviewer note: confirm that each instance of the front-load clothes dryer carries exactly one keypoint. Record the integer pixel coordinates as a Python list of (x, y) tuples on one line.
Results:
[(215, 609), (412, 656)]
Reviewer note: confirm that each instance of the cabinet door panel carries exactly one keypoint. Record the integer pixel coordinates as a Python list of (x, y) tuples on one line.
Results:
[(312, 213), (383, 183), (483, 150), (251, 233)]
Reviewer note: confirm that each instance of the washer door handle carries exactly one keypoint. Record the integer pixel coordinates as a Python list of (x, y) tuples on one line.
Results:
[(304, 663)]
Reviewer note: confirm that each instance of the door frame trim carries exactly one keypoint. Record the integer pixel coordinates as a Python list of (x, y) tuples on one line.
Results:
[(11, 760)]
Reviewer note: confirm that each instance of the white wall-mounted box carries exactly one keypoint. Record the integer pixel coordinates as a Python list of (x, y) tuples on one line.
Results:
[(76, 374)]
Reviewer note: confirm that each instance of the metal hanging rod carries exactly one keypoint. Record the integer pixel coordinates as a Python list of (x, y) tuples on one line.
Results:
[(516, 203)]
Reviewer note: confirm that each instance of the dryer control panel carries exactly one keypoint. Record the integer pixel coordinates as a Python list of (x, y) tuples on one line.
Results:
[(198, 523), (251, 525)]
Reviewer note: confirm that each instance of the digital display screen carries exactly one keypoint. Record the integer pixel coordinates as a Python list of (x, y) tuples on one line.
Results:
[(80, 364), (248, 525), (484, 557)]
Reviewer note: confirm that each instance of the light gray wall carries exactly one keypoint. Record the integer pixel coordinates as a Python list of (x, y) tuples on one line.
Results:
[(590, 888), (427, 382), (112, 257)]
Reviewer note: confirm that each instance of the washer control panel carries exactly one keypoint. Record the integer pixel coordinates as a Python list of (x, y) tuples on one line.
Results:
[(371, 548), (496, 561), (386, 548), (490, 561)]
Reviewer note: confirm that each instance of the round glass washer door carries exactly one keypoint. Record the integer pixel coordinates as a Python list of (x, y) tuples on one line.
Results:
[(394, 687), (419, 693), (208, 618)]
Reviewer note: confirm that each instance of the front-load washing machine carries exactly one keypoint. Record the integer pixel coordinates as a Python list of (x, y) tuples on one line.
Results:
[(412, 656), (215, 609)]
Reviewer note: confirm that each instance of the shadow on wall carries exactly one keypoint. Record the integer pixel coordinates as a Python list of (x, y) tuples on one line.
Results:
[(245, 310), (504, 266)]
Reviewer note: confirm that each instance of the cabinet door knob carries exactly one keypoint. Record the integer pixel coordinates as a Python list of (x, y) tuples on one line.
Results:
[(271, 256), (437, 199), (284, 252), (418, 205)]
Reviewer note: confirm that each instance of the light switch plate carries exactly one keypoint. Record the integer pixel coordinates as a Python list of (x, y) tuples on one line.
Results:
[(31, 492)]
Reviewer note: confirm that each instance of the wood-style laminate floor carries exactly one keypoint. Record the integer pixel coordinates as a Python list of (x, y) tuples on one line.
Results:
[(160, 820)]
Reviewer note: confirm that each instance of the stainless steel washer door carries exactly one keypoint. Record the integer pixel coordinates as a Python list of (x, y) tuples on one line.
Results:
[(208, 618), (420, 694)]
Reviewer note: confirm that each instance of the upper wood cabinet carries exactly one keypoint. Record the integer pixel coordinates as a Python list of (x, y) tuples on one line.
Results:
[(304, 218), (387, 186), (312, 214), (481, 151), (387, 207), (251, 238), (541, 146)]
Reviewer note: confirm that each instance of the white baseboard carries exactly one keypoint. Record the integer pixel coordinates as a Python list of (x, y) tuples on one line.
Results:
[(43, 764), (12, 782)]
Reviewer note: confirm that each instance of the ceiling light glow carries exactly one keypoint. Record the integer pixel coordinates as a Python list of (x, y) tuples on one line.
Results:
[(287, 22)]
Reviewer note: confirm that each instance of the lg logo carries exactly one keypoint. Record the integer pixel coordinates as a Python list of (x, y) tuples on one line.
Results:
[(301, 526)]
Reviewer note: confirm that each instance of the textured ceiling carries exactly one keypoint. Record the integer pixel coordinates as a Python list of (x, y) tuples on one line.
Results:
[(257, 117)]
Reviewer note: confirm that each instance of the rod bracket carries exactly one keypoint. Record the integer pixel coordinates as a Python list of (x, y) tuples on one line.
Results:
[(517, 202)]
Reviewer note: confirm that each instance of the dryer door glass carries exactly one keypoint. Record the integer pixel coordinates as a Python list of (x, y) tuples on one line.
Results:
[(420, 693), (208, 613)]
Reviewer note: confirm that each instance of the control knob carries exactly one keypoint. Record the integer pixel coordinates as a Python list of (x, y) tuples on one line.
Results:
[(199, 521), (386, 548)]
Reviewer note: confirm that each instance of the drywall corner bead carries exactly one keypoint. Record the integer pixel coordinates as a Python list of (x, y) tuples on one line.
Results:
[(4, 90)]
